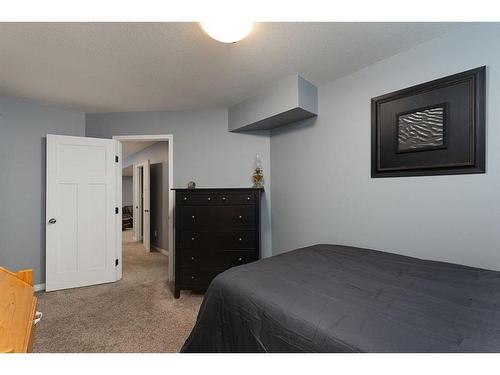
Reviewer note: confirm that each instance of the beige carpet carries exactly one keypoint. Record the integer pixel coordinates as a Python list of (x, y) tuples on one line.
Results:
[(135, 314)]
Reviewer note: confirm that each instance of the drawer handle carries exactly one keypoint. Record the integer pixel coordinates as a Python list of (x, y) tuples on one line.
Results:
[(240, 217), (193, 259), (192, 238), (38, 317), (248, 199), (240, 259), (224, 199), (193, 277), (240, 239), (209, 199), (185, 198), (192, 217)]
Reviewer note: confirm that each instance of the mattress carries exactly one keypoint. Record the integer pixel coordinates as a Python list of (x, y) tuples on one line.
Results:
[(329, 298)]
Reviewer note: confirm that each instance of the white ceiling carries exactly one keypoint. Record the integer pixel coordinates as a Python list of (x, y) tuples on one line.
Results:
[(130, 148), (106, 67)]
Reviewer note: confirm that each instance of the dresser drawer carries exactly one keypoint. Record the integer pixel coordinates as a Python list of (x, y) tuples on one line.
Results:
[(196, 217), (229, 217), (234, 198), (235, 240), (190, 276), (196, 277), (190, 258), (227, 259), (192, 239), (211, 239), (195, 199)]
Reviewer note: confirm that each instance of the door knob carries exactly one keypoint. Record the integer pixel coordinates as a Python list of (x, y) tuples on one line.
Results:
[(52, 221)]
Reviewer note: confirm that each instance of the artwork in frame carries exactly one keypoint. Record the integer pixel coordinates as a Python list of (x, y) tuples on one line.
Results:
[(434, 128)]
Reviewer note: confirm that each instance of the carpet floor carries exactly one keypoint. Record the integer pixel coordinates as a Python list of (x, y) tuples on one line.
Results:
[(135, 314)]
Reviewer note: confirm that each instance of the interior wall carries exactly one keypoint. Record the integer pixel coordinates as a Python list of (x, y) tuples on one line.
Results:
[(204, 151), (322, 190), (127, 191), (157, 154), (23, 130)]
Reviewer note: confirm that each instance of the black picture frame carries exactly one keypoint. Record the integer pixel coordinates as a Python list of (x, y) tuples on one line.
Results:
[(463, 97)]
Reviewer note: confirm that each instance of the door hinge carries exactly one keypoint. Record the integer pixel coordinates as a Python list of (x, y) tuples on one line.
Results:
[(117, 210), (116, 158), (116, 262)]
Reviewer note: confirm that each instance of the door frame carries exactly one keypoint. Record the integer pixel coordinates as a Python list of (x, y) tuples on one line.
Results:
[(169, 138)]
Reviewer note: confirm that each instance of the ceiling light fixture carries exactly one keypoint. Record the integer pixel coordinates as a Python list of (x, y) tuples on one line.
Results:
[(227, 32)]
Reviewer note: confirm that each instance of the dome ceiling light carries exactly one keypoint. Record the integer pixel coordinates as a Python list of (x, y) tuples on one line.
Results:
[(227, 32)]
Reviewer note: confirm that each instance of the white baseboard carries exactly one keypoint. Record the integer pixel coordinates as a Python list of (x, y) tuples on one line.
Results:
[(163, 251), (39, 287)]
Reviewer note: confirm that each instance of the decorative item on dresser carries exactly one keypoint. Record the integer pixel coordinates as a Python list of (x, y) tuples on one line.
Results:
[(215, 229)]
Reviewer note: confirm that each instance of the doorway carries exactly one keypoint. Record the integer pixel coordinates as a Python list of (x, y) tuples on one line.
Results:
[(151, 200)]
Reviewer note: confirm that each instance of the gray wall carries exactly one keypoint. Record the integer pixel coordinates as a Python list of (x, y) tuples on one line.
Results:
[(23, 127), (322, 190), (127, 191), (157, 154), (204, 151)]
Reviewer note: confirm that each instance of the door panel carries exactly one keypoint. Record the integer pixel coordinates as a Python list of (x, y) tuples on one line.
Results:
[(67, 246), (91, 160), (81, 241), (97, 228)]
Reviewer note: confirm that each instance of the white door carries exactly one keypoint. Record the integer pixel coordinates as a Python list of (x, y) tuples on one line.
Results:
[(146, 240), (142, 222), (137, 217), (81, 217)]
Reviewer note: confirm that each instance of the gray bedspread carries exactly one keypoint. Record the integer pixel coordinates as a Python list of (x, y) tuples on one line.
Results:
[(329, 298)]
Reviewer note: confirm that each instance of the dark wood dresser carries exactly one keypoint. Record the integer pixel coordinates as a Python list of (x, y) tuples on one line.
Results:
[(215, 229)]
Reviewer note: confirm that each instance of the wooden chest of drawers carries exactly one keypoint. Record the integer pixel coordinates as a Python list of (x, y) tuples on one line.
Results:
[(215, 229)]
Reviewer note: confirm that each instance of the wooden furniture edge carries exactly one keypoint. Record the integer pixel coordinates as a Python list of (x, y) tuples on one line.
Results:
[(23, 275)]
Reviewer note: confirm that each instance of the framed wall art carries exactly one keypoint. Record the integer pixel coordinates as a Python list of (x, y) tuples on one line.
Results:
[(434, 128)]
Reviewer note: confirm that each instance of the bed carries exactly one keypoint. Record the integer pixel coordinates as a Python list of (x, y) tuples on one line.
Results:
[(329, 298)]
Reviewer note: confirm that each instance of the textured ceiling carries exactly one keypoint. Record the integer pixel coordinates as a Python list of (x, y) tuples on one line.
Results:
[(106, 67)]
